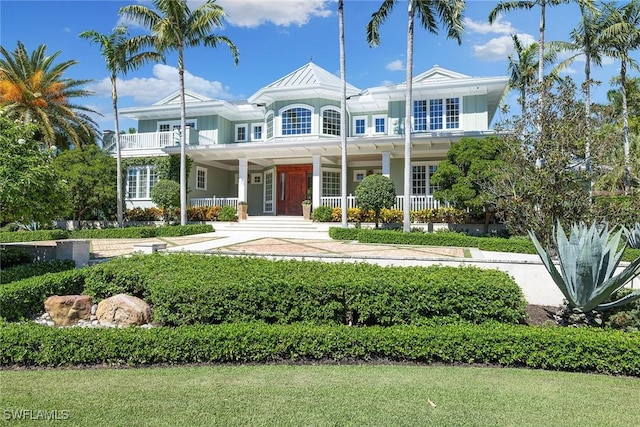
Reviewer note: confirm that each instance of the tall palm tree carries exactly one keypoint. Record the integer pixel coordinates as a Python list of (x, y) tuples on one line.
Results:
[(174, 27), (508, 6), (343, 113), (121, 54), (621, 36), (449, 12), (34, 90)]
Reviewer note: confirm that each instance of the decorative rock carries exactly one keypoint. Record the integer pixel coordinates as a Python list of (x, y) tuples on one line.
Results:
[(94, 308), (123, 310), (68, 309)]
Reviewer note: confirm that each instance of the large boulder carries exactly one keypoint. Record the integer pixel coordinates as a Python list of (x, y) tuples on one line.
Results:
[(68, 309), (123, 310)]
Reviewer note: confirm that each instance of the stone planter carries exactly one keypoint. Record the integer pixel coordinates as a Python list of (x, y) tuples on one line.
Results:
[(306, 211), (242, 211)]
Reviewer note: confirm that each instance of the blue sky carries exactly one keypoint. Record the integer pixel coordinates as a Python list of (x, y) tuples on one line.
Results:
[(274, 38)]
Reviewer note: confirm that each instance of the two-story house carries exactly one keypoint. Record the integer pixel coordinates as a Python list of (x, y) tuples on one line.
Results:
[(283, 144)]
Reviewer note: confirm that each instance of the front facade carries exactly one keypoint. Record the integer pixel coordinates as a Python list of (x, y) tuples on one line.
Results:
[(283, 144)]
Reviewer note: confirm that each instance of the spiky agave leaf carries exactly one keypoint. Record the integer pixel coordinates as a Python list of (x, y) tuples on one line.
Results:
[(588, 261), (633, 236)]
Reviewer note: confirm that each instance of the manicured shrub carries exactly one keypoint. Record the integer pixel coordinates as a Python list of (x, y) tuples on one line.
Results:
[(322, 214), (142, 232), (203, 213), (11, 256), (630, 254), (32, 236), (565, 349), (24, 298), (376, 192), (24, 271), (183, 230), (143, 214), (338, 233), (514, 244), (227, 213)]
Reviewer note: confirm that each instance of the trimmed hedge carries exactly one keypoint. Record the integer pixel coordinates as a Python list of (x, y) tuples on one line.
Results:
[(11, 256), (24, 271), (24, 298), (32, 236), (142, 232), (567, 349), (630, 254), (189, 289)]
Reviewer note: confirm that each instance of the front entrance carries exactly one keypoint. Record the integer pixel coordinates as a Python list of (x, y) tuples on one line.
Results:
[(293, 182)]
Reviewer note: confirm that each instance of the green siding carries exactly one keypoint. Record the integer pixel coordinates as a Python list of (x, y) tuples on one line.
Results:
[(474, 110)]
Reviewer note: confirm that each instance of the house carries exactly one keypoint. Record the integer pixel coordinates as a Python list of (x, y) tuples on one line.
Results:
[(283, 144)]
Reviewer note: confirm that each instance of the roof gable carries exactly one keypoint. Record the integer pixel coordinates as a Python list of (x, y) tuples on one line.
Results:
[(189, 96), (438, 74)]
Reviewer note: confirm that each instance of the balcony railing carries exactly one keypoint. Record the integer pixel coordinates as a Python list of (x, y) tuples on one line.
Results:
[(148, 140), (417, 202)]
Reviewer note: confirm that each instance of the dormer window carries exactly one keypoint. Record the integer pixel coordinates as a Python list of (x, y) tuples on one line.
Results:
[(296, 121), (436, 114)]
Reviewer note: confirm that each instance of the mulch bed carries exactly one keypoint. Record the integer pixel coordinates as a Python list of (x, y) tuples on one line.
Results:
[(541, 314)]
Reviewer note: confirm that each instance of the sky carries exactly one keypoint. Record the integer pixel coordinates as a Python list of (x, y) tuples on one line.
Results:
[(274, 38)]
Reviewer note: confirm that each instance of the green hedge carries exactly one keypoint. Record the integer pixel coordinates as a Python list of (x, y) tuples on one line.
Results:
[(567, 349), (24, 271), (11, 256), (630, 254), (25, 298), (188, 289), (142, 232), (32, 236)]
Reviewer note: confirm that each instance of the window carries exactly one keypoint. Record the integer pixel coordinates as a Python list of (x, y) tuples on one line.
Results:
[(360, 126), (256, 178), (201, 178), (140, 181), (268, 191), (330, 184), (241, 133), (268, 122), (359, 175), (442, 114), (256, 132), (296, 121), (330, 122), (171, 131), (380, 124), (421, 179)]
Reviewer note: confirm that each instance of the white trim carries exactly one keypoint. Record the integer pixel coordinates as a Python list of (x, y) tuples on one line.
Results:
[(353, 122), (271, 172), (256, 178), (201, 169), (321, 118), (359, 175), (253, 127), (235, 132), (150, 169), (373, 124), (444, 114)]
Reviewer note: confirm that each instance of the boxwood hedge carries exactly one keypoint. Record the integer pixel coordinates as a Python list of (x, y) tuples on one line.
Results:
[(32, 236), (567, 349), (24, 271), (142, 232), (191, 289)]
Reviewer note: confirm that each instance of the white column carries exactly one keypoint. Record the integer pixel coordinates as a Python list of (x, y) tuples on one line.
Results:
[(243, 168), (386, 164), (317, 181)]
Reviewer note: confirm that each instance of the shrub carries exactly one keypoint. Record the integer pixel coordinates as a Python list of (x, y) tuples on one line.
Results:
[(566, 349), (140, 214), (142, 232), (166, 195), (183, 230), (11, 256), (338, 233), (32, 236), (203, 213), (322, 214), (227, 213), (24, 271), (630, 254), (24, 298), (617, 210), (376, 192)]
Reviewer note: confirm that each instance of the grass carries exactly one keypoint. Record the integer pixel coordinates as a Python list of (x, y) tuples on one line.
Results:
[(283, 395)]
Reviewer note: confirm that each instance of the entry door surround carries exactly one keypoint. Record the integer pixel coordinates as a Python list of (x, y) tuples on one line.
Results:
[(291, 188)]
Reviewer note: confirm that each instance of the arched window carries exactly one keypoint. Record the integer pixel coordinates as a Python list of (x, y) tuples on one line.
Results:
[(331, 122), (296, 121)]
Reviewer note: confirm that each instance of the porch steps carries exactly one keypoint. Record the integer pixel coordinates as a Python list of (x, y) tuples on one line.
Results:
[(274, 223)]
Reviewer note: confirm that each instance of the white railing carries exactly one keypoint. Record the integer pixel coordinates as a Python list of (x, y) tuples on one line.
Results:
[(165, 139), (417, 202), (214, 201)]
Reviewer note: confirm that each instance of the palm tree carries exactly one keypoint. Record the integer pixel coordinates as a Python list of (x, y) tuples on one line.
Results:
[(450, 13), (174, 27), (343, 113), (508, 6), (121, 55), (34, 90), (621, 36)]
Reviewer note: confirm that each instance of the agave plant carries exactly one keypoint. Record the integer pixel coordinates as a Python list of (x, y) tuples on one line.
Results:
[(633, 236), (588, 261)]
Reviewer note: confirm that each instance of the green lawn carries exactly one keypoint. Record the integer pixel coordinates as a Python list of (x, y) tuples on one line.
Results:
[(281, 395)]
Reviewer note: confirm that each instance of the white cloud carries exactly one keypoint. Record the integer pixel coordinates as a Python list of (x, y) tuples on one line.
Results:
[(483, 27), (252, 13), (164, 82), (396, 65), (498, 48)]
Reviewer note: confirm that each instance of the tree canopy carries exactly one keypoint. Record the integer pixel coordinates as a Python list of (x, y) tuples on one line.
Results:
[(376, 192)]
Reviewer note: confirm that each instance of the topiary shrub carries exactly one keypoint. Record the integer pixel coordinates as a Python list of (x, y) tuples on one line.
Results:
[(376, 192), (166, 195)]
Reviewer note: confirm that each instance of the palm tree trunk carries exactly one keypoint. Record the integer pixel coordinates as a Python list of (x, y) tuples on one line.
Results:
[(625, 126), (587, 113), (183, 142), (406, 222), (541, 89), (114, 99), (343, 113)]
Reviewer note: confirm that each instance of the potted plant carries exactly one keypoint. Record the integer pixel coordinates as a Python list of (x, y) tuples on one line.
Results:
[(306, 209), (242, 210)]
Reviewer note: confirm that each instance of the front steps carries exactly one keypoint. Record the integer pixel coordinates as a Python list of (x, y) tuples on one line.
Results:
[(274, 223)]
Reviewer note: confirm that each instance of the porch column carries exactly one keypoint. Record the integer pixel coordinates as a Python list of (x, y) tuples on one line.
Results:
[(243, 168), (386, 164), (317, 181)]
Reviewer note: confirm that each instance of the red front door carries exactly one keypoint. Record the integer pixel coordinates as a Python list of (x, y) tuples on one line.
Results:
[(292, 188)]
